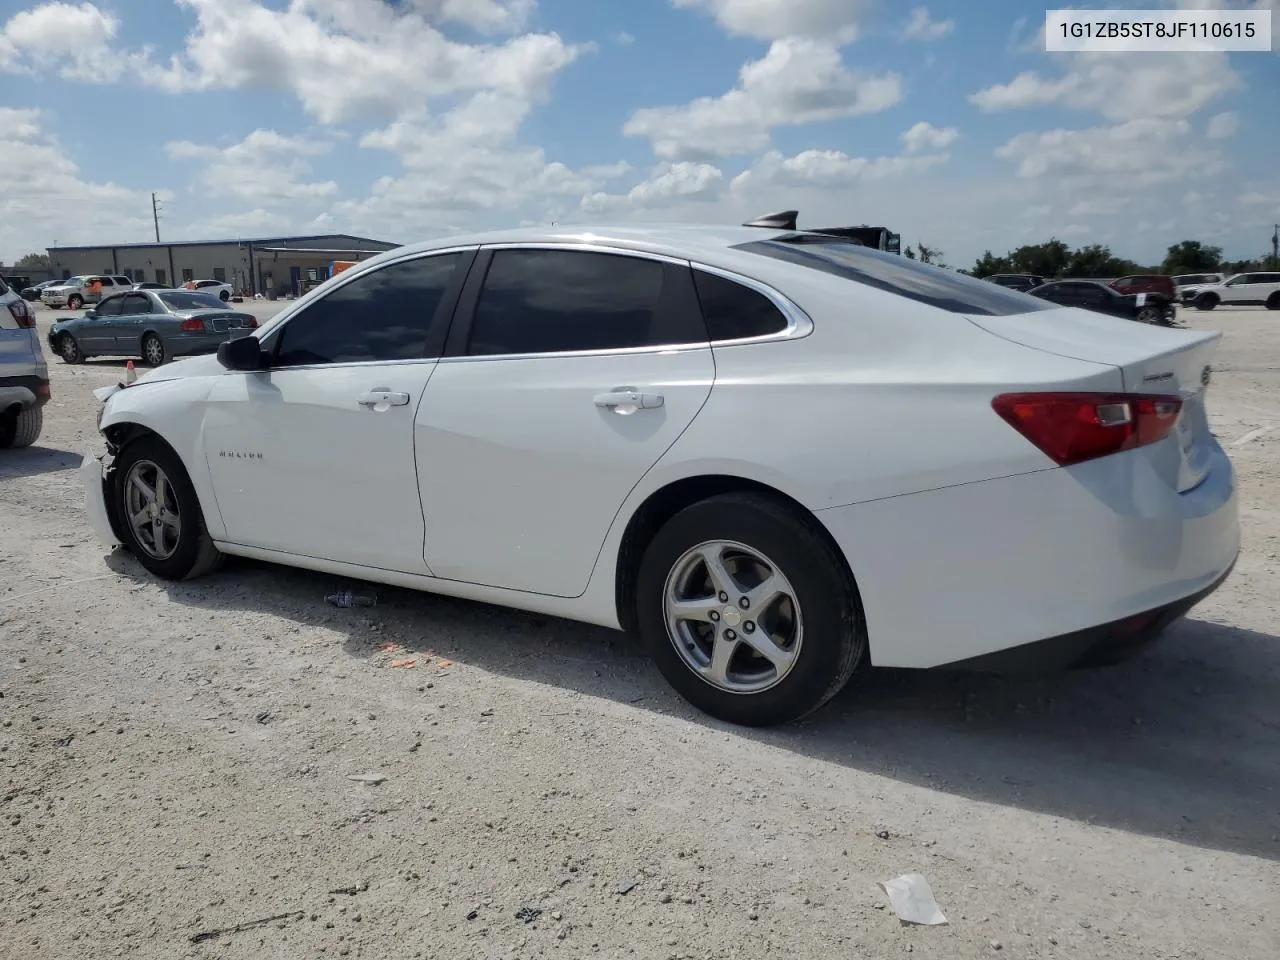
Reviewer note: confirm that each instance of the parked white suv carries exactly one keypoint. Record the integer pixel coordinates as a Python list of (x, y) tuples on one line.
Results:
[(78, 291), (1244, 289)]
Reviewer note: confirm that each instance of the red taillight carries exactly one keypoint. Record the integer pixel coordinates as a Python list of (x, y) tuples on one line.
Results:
[(1073, 427), (43, 392), (192, 325), (253, 322), (23, 314)]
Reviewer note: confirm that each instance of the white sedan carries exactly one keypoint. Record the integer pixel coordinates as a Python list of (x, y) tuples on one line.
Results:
[(216, 288), (773, 455)]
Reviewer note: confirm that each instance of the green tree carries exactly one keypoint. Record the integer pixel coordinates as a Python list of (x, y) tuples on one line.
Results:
[(1042, 259), (1191, 256), (910, 254), (1096, 260), (931, 255), (988, 265), (39, 261)]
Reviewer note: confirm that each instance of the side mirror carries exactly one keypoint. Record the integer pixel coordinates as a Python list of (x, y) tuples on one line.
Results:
[(90, 314), (243, 353)]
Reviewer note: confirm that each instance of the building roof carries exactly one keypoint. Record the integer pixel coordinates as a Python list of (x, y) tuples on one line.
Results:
[(236, 240)]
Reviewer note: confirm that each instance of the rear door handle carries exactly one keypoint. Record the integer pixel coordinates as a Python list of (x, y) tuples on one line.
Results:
[(627, 400), (383, 398)]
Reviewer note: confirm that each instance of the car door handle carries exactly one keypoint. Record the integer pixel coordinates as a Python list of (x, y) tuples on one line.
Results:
[(627, 400), (384, 398)]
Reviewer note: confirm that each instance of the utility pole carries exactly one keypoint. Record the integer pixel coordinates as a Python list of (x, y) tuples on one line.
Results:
[(155, 215), (1275, 248)]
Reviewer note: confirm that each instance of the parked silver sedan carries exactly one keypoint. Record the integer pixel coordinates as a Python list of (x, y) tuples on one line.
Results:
[(152, 324)]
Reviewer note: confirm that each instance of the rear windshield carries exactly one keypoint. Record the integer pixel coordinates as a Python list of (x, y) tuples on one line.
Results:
[(953, 292), (191, 301)]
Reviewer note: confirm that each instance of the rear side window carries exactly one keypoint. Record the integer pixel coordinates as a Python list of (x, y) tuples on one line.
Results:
[(110, 307), (559, 301), (734, 312), (953, 292), (381, 316)]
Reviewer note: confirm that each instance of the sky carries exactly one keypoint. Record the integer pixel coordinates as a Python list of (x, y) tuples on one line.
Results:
[(404, 120)]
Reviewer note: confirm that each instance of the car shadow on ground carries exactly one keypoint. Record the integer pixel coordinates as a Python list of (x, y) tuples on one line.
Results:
[(36, 460), (1181, 743)]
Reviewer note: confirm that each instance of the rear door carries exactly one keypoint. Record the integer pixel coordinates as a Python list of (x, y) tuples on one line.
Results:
[(569, 372), (136, 314)]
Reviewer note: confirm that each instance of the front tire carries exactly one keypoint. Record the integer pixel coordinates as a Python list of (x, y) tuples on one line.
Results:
[(748, 611), (1206, 301), (1149, 315), (153, 350), (21, 428), (75, 301), (69, 350), (159, 513)]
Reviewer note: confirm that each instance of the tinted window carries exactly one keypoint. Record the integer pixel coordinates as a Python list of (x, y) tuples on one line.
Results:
[(899, 275), (191, 301), (383, 315), (1089, 294), (551, 301), (733, 311), (1056, 292), (110, 308), (136, 304)]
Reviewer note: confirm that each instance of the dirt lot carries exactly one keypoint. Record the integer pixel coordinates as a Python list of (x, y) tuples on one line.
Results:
[(176, 760)]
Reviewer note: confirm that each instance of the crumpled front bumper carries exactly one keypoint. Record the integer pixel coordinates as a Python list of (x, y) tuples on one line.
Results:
[(93, 476)]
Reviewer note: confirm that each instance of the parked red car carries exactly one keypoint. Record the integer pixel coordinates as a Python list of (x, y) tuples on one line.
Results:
[(1148, 283)]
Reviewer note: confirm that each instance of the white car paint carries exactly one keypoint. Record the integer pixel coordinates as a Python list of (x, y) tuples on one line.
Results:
[(1260, 288), (499, 479), (216, 288)]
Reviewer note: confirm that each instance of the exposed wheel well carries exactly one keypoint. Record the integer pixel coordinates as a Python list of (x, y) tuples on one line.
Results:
[(664, 504)]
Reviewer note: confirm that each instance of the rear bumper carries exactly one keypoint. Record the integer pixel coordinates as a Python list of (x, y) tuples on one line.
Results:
[(1073, 555), (26, 392)]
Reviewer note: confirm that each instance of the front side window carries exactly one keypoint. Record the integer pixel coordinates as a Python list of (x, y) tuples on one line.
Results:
[(944, 289), (380, 316), (560, 301), (734, 312), (110, 307), (1092, 294)]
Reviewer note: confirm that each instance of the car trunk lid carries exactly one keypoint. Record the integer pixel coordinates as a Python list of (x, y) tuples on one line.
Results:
[(220, 321), (1152, 360)]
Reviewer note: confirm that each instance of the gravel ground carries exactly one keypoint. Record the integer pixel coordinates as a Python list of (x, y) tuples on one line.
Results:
[(176, 763)]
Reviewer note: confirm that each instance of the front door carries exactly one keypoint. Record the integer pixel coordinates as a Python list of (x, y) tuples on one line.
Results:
[(574, 375), (314, 456), (97, 334), (136, 311)]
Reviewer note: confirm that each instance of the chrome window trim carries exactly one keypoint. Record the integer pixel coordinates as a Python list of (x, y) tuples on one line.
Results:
[(798, 325)]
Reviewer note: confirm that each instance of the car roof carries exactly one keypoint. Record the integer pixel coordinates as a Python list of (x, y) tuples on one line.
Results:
[(677, 240)]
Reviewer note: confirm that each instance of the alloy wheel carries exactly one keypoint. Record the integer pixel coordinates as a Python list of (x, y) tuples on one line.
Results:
[(153, 350), (151, 508), (733, 616)]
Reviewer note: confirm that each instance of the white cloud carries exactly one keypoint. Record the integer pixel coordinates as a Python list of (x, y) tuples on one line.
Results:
[(40, 184), (623, 39), (832, 20), (1223, 125), (265, 167), (925, 136), (73, 40), (1122, 157), (922, 27), (828, 168), (670, 183), (797, 82), (1150, 85)]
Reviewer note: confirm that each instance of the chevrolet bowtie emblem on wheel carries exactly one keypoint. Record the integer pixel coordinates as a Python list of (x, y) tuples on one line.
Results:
[(1205, 376)]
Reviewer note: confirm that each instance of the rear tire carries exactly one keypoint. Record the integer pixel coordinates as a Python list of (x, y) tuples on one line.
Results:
[(224, 296), (1206, 301), (69, 350), (813, 629), (21, 428), (183, 549), (153, 350)]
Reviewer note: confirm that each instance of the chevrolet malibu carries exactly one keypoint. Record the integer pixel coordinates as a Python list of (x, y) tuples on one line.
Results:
[(773, 455)]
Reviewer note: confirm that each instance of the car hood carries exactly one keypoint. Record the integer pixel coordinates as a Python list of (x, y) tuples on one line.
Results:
[(204, 365)]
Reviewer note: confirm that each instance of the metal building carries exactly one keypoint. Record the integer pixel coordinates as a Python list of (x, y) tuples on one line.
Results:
[(272, 266)]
